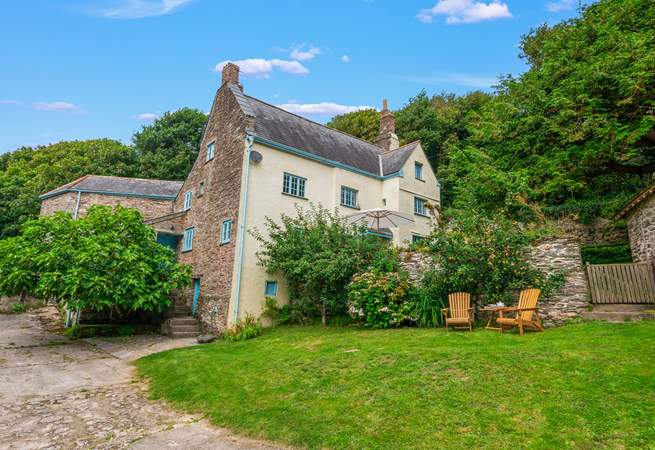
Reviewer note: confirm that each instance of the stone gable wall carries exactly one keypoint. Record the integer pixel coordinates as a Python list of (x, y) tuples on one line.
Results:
[(65, 202), (221, 176), (641, 229)]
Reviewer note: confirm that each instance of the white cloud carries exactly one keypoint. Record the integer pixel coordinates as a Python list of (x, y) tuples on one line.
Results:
[(345, 58), (300, 54), (56, 107), (560, 5), (320, 109), (465, 11), (137, 9), (457, 79), (262, 68), (146, 116), (9, 102)]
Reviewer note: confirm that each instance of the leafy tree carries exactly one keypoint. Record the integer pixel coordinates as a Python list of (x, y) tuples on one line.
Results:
[(318, 252), (28, 172), (168, 147), (364, 124), (480, 255), (106, 261)]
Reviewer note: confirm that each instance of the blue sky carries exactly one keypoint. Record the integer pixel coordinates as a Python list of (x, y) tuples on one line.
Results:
[(104, 68)]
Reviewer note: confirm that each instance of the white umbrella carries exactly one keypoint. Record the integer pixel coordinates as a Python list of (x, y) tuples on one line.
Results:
[(378, 218)]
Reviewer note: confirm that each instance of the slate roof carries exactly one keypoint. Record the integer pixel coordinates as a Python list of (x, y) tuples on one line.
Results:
[(281, 126), (120, 185), (635, 202)]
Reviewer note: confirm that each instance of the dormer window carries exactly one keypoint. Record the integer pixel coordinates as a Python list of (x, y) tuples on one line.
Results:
[(418, 171), (211, 148), (188, 195)]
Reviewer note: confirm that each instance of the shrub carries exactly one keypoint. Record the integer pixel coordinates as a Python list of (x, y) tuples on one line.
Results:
[(244, 329), (318, 253), (18, 308), (382, 299), (606, 254)]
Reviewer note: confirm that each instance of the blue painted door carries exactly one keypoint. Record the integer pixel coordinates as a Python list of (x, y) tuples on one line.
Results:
[(196, 294)]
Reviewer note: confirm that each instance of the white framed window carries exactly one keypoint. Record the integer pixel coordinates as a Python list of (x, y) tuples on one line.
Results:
[(187, 243), (349, 197), (271, 289), (416, 238), (211, 148), (294, 185), (418, 171), (188, 196), (420, 207), (226, 231)]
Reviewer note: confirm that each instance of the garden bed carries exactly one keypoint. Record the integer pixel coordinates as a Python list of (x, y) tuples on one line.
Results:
[(588, 385)]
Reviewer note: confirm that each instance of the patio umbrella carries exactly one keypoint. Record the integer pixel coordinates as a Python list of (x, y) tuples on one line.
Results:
[(377, 219)]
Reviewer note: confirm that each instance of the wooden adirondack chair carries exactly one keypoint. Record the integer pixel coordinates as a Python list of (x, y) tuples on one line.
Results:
[(459, 311), (527, 313)]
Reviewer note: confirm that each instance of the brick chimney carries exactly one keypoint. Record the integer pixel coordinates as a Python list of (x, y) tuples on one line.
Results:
[(387, 138), (230, 74)]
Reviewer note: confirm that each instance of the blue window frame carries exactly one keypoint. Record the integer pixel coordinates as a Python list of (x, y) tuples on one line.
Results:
[(294, 185), (271, 289), (349, 197), (226, 231), (211, 148), (188, 197), (187, 243), (420, 207), (418, 171), (416, 238)]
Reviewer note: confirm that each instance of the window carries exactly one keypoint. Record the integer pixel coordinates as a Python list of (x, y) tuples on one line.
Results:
[(201, 188), (349, 197), (187, 245), (226, 231), (211, 147), (271, 289), (418, 171), (416, 238), (420, 207), (294, 185), (187, 200)]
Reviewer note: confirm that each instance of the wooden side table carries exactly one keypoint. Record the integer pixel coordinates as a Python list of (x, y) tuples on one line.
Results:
[(493, 310)]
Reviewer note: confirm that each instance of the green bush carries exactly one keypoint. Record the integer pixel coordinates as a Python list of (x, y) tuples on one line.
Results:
[(18, 308), (606, 254), (244, 329), (382, 299)]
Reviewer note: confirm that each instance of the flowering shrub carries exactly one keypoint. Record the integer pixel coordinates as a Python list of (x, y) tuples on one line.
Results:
[(246, 328), (382, 299)]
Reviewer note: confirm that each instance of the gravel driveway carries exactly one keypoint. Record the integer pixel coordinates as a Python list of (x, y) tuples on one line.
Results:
[(58, 393)]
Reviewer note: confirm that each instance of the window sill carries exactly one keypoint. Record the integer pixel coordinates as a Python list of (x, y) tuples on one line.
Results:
[(209, 160), (420, 179), (421, 215), (295, 196), (351, 207), (187, 251), (223, 243)]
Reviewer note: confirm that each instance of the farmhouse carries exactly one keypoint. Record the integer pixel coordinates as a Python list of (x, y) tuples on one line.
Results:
[(256, 161)]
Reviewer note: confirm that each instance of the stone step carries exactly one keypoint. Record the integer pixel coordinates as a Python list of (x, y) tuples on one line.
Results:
[(184, 334), (185, 328), (183, 320), (617, 316), (621, 308)]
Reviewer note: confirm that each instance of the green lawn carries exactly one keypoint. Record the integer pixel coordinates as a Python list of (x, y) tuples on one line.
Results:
[(587, 385)]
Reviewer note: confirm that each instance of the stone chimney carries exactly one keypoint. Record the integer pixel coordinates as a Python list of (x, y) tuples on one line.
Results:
[(387, 138), (231, 75)]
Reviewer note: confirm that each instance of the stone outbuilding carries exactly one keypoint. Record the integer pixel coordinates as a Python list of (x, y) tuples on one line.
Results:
[(640, 215)]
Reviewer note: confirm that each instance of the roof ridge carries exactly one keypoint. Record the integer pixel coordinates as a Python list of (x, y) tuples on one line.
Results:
[(401, 147), (313, 122), (130, 178)]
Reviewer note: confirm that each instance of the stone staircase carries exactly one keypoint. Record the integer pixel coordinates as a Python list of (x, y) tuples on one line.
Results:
[(180, 323), (620, 313)]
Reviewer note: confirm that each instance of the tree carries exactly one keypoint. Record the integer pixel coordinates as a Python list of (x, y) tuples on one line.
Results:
[(318, 252), (364, 124), (107, 260), (168, 147), (28, 172)]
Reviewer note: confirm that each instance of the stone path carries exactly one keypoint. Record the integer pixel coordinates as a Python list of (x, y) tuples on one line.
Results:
[(61, 394)]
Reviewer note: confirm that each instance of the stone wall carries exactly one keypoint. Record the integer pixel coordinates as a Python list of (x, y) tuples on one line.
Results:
[(641, 228), (149, 207), (220, 177), (562, 255), (601, 231)]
